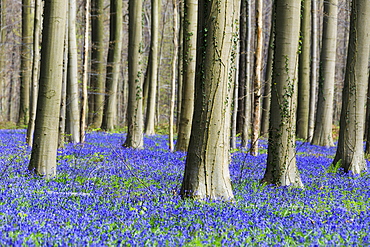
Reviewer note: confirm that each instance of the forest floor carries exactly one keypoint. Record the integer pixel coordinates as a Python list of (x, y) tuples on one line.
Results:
[(107, 195)]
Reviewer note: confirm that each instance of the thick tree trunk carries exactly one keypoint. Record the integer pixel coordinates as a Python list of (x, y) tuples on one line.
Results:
[(324, 117), (304, 76), (134, 137), (281, 167), (189, 57), (350, 150), (114, 65), (73, 110), (207, 165), (43, 156)]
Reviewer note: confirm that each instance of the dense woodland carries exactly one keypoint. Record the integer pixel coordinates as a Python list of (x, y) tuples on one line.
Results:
[(207, 73)]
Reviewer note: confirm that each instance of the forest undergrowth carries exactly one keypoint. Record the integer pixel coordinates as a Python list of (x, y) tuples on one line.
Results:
[(107, 195)]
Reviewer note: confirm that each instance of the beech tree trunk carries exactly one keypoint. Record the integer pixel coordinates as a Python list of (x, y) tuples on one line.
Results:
[(153, 70), (207, 164), (324, 117), (72, 107), (304, 73), (350, 150), (134, 137), (26, 61), (281, 167), (114, 65), (189, 62), (44, 148)]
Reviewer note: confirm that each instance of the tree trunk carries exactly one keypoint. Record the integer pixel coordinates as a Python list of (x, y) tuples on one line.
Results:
[(281, 167), (85, 75), (97, 79), (153, 70), (257, 80), (189, 57), (73, 110), (174, 70), (114, 65), (3, 115), (207, 164), (350, 150), (324, 117), (134, 137), (26, 62), (314, 63), (304, 73), (35, 70), (43, 156)]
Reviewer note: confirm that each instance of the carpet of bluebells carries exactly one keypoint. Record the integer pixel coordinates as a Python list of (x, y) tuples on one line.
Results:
[(107, 195)]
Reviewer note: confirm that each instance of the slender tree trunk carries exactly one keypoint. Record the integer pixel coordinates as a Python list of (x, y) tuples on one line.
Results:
[(314, 63), (281, 167), (174, 70), (267, 89), (35, 70), (257, 80), (304, 72), (207, 165), (350, 150), (324, 117), (153, 70), (73, 110), (3, 114), (63, 98), (26, 61), (43, 156), (114, 65), (189, 57), (97, 65), (84, 96), (134, 137)]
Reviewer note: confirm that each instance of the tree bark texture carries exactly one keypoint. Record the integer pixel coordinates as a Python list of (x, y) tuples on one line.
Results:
[(134, 137), (207, 164), (324, 117), (281, 167), (43, 156), (304, 71), (350, 150), (189, 63), (113, 65)]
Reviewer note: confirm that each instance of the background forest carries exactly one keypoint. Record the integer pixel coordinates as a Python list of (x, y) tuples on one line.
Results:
[(134, 108)]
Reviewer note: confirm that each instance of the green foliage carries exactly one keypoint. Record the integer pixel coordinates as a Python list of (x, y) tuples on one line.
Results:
[(334, 168)]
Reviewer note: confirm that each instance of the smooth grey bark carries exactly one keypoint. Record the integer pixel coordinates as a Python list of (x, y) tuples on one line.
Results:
[(113, 65), (314, 67), (173, 77), (26, 61), (304, 72), (207, 165), (350, 150), (72, 107), (134, 137), (281, 168), (153, 70), (189, 63), (44, 148), (84, 95), (257, 79), (35, 70), (324, 117)]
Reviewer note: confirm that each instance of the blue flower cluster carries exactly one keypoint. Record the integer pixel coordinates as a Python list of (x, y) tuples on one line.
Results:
[(107, 195)]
